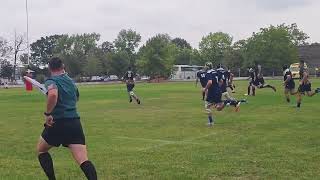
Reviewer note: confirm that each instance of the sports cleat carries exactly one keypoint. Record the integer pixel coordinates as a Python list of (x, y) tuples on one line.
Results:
[(138, 101), (274, 89), (130, 100), (317, 90), (288, 100), (210, 124), (243, 101)]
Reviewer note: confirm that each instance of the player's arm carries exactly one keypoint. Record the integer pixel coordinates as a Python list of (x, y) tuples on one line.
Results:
[(209, 84), (288, 79), (197, 79), (52, 99)]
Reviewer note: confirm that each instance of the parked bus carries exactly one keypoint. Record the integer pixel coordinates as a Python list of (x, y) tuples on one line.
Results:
[(181, 72)]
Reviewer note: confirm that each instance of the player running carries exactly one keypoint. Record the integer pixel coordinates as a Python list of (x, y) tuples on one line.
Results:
[(201, 75), (230, 76), (304, 84), (129, 78), (288, 82), (214, 94), (257, 81), (62, 124)]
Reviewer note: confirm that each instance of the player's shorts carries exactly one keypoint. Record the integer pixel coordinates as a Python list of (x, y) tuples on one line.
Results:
[(130, 87), (304, 88), (215, 99), (203, 84), (290, 86), (64, 132)]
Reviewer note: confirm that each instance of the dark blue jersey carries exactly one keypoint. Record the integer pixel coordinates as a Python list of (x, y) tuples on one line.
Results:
[(202, 76), (288, 74), (129, 75), (222, 77), (214, 91)]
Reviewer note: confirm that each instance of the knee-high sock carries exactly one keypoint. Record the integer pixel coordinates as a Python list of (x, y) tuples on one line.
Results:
[(89, 170), (47, 165)]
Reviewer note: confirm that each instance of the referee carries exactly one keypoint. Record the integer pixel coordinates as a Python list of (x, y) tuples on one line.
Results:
[(62, 122)]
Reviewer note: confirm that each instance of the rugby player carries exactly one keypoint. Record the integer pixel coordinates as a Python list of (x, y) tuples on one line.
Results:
[(304, 84), (201, 75), (214, 94), (288, 82), (129, 78), (62, 122), (257, 81)]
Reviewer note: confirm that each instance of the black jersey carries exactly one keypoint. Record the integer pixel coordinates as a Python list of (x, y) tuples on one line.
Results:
[(222, 76), (214, 91), (202, 76), (290, 84), (129, 75)]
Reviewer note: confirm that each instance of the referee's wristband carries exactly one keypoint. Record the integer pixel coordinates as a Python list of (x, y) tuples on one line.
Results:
[(47, 114)]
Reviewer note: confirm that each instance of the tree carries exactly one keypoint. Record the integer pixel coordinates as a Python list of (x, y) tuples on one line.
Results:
[(18, 43), (214, 46), (5, 49), (43, 49), (119, 63), (235, 57), (107, 47), (271, 47), (156, 57), (76, 51), (298, 37), (181, 43), (6, 69), (128, 41)]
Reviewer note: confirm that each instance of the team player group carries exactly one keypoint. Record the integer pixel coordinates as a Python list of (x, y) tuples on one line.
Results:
[(214, 90)]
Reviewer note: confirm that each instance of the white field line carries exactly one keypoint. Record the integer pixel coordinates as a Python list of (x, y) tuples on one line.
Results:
[(162, 143)]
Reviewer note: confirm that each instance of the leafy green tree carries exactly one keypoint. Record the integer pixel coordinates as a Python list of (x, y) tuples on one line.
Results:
[(6, 69), (181, 43), (43, 49), (214, 46), (128, 41), (119, 63), (272, 47), (156, 57)]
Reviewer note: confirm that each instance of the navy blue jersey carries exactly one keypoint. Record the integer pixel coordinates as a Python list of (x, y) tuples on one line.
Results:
[(129, 75), (214, 91), (222, 77), (290, 84), (202, 76)]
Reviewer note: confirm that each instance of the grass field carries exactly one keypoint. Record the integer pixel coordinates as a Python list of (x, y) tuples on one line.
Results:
[(166, 137)]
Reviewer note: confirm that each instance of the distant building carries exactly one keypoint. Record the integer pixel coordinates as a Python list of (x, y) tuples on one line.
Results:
[(311, 55), (182, 72)]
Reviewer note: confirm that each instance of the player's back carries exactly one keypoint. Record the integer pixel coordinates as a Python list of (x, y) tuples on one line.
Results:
[(129, 75)]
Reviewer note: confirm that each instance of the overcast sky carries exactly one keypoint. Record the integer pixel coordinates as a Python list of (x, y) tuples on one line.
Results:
[(189, 19)]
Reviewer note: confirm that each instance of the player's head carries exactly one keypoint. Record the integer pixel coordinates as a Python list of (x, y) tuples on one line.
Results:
[(301, 64), (208, 65), (251, 70), (56, 65), (219, 66), (285, 67)]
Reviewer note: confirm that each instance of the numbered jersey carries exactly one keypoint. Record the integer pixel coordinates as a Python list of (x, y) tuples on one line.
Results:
[(201, 75), (223, 78), (214, 91), (129, 76), (288, 74)]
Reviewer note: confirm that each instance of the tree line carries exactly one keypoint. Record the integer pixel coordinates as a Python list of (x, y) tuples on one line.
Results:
[(86, 55)]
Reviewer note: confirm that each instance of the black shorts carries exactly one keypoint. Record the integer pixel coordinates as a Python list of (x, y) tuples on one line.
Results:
[(305, 88), (214, 99), (130, 87), (65, 132), (290, 86)]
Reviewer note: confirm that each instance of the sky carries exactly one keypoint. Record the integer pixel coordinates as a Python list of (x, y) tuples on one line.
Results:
[(188, 19)]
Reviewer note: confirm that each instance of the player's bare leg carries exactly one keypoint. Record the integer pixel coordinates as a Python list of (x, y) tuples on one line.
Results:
[(80, 155), (135, 97)]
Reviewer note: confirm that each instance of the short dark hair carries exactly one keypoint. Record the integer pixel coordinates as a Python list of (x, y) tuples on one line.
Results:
[(302, 62), (55, 63), (284, 67)]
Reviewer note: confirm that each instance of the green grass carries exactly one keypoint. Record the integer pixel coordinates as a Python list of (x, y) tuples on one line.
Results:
[(166, 137)]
